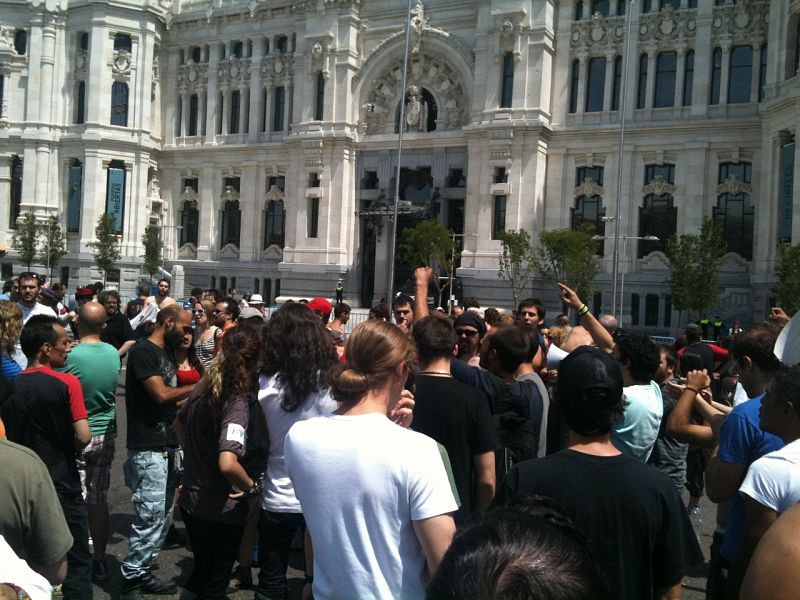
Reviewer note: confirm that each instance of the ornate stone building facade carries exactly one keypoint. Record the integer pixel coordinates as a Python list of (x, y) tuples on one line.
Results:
[(261, 135)]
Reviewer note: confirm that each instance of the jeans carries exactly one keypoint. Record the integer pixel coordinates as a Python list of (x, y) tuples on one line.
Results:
[(275, 533), (215, 546), (78, 584), (148, 474)]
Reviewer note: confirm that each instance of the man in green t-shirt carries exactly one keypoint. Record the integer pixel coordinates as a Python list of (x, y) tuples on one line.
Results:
[(96, 365)]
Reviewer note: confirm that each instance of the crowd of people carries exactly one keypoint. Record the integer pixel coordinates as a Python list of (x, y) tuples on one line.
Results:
[(416, 455)]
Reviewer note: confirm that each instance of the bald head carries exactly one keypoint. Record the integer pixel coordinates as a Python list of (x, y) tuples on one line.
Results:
[(609, 322), (91, 319), (577, 337)]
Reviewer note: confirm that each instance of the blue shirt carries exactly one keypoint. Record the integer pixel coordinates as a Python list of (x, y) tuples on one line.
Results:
[(10, 368), (742, 442)]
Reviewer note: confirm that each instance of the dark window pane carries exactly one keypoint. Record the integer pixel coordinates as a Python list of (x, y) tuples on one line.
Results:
[(190, 220), (194, 104), (236, 100), (122, 41), (238, 49), (646, 6), (716, 75), (666, 172), (673, 3), (688, 78), (579, 10), (657, 217), (507, 89), (320, 106), (573, 87), (734, 212), (666, 68), (21, 41), (119, 104), (617, 82), (596, 84), (313, 217), (498, 217), (634, 309), (740, 75), (277, 117), (16, 191), (231, 224), (274, 224), (600, 6), (84, 41), (641, 92), (197, 54), (593, 173), (80, 103), (74, 194), (651, 310), (762, 73)]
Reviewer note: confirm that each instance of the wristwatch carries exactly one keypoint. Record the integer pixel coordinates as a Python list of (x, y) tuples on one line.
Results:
[(254, 490)]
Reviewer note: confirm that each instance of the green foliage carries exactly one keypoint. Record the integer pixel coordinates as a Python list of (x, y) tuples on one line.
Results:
[(26, 239), (787, 289), (53, 243), (153, 247), (517, 254), (106, 245), (568, 256), (429, 244), (694, 268)]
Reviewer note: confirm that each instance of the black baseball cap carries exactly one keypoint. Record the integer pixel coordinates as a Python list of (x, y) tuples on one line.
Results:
[(588, 368)]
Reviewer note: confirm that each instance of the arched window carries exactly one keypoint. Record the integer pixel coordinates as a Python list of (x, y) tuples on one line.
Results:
[(274, 224), (666, 68), (657, 215), (734, 209), (119, 104), (740, 74), (190, 219), (595, 88), (231, 223), (589, 210)]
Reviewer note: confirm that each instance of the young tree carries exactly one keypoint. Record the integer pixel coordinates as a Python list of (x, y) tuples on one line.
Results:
[(53, 244), (106, 245), (787, 289), (430, 244), (568, 256), (694, 262), (26, 239), (517, 254), (153, 249)]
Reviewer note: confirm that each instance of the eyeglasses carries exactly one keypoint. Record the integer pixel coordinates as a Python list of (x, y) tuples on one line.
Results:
[(466, 332), (199, 311)]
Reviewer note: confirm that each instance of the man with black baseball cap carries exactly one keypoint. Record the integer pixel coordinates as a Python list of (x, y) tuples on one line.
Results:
[(631, 514)]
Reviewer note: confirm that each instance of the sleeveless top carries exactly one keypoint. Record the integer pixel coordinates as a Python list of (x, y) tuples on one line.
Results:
[(205, 350)]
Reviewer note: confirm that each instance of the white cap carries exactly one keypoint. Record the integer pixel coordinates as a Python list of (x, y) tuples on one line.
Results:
[(255, 299)]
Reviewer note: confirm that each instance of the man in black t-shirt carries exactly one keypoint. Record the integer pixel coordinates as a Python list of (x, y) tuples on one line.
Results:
[(631, 514), (455, 415), (118, 331), (151, 397)]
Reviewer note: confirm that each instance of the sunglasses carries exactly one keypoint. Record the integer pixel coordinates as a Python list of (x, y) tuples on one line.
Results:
[(199, 311), (466, 332)]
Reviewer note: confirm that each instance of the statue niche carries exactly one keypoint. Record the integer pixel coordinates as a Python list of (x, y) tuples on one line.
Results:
[(420, 112)]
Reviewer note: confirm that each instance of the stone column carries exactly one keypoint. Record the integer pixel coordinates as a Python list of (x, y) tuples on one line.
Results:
[(46, 62), (651, 77), (680, 71), (242, 111), (185, 114), (287, 104), (6, 82), (582, 74), (206, 233), (98, 82), (248, 240), (29, 176), (608, 85), (226, 111), (5, 192), (41, 197), (268, 110), (255, 91), (93, 203), (212, 94), (726, 64), (756, 70)]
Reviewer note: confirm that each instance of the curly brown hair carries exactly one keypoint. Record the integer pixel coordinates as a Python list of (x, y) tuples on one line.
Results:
[(10, 325), (234, 372)]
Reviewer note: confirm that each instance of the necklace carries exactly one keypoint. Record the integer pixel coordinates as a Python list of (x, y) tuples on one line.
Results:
[(436, 373)]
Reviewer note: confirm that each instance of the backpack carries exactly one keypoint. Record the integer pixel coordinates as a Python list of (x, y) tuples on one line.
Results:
[(517, 411), (256, 449)]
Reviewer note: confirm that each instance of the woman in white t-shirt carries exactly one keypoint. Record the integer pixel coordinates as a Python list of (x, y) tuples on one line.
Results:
[(293, 386), (375, 496)]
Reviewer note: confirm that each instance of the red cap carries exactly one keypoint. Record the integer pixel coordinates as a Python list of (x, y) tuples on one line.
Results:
[(83, 292), (321, 305)]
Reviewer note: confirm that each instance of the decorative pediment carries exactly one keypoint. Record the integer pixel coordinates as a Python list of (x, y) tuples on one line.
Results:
[(234, 72), (654, 261), (277, 68), (588, 187), (274, 194), (733, 185), (229, 195), (187, 252), (272, 252), (429, 71), (733, 262), (658, 187), (743, 21), (598, 32), (121, 65), (667, 25), (192, 77), (229, 251)]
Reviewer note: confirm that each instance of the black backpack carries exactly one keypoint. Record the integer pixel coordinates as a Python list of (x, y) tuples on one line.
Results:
[(256, 451), (517, 411)]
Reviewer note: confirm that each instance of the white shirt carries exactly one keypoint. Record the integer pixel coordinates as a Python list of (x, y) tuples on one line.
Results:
[(362, 480), (774, 479), (27, 313), (15, 570), (278, 494)]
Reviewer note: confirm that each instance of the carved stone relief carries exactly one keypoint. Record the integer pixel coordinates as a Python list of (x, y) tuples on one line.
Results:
[(121, 65), (667, 26), (740, 22), (588, 187), (192, 77), (427, 71), (234, 72), (658, 187), (277, 69), (733, 185), (187, 252), (598, 33)]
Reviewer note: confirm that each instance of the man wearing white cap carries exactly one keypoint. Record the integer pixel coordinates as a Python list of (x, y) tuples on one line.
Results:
[(257, 302)]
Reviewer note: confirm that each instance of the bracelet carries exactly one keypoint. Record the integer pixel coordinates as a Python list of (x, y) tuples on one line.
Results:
[(691, 389), (582, 310)]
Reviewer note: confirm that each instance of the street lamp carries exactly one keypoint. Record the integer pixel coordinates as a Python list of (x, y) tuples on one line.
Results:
[(624, 238), (450, 297)]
